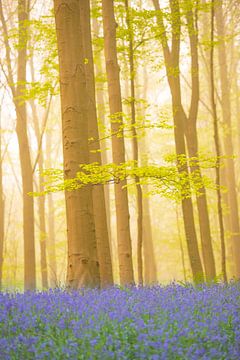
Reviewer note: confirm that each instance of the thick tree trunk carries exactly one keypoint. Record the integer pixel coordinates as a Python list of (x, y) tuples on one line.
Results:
[(228, 143), (99, 207), (83, 269), (118, 151)]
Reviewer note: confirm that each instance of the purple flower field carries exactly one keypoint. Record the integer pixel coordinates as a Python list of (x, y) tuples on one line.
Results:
[(172, 322)]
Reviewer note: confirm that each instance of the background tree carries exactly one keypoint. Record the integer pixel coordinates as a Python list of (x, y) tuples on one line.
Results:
[(118, 151)]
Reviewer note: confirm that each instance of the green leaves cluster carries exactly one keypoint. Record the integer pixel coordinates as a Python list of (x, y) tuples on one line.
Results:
[(168, 180)]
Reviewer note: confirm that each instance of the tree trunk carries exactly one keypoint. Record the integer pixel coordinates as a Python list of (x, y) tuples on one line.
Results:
[(41, 203), (217, 146), (1, 207), (192, 145), (228, 143), (51, 240), (118, 151), (149, 258), (99, 207), (24, 151), (83, 269), (139, 199), (179, 117), (23, 143)]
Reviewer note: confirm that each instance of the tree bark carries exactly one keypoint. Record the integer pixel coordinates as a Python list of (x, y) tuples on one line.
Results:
[(139, 198), (51, 239), (23, 143), (83, 269), (149, 258), (227, 139), (118, 151), (1, 208), (171, 58), (99, 207), (192, 146), (41, 204), (217, 146), (24, 151)]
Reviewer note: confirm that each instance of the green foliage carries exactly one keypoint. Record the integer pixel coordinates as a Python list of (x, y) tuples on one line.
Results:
[(169, 180)]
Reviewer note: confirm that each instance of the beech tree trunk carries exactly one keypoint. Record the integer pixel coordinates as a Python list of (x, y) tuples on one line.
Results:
[(171, 58), (227, 139), (23, 143), (41, 202), (149, 257), (118, 151), (192, 145), (83, 268), (1, 208), (217, 146), (24, 152), (51, 239), (99, 207), (139, 199)]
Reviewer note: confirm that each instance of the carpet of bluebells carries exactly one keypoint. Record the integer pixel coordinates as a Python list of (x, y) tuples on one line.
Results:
[(170, 322)]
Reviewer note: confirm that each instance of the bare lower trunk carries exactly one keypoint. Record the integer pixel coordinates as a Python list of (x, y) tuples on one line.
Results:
[(41, 204), (149, 257), (51, 244), (51, 239), (1, 210), (118, 151)]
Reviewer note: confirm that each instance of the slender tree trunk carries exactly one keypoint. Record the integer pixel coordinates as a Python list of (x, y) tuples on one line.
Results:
[(149, 258), (99, 207), (192, 145), (41, 204), (51, 240), (181, 245), (139, 199), (217, 146), (1, 207), (101, 110), (83, 269), (228, 143), (24, 151), (172, 62), (23, 143), (118, 151)]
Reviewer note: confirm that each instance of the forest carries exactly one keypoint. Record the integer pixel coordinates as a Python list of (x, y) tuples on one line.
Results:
[(119, 179)]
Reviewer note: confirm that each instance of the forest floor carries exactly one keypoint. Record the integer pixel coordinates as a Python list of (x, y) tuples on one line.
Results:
[(158, 322)]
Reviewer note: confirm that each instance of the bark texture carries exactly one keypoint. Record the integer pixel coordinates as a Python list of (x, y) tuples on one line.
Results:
[(99, 207), (139, 197), (118, 151), (83, 268), (227, 139)]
